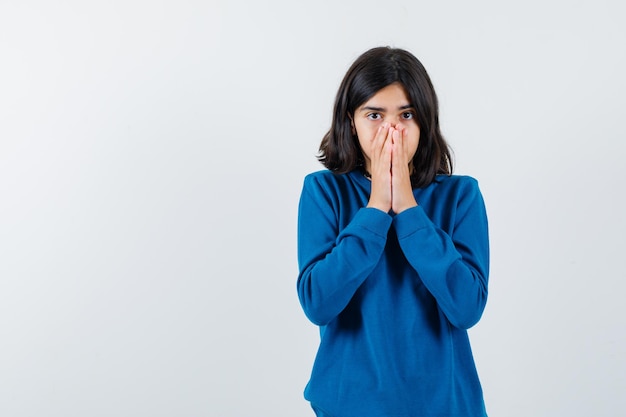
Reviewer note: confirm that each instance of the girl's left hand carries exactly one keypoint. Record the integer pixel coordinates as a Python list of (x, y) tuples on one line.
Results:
[(402, 196)]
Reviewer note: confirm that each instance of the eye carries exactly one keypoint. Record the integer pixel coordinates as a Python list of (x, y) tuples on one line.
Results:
[(408, 115), (374, 116)]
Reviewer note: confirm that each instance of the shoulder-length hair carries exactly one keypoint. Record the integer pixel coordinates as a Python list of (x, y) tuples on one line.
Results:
[(375, 69)]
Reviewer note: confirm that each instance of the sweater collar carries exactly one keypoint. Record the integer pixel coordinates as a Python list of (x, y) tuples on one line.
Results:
[(358, 176)]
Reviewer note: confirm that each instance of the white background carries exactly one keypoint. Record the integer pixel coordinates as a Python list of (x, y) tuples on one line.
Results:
[(151, 160)]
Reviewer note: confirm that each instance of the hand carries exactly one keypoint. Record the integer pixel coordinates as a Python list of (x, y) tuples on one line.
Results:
[(380, 168), (402, 196)]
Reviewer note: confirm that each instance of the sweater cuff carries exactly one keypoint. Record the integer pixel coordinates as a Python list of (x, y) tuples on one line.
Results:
[(373, 220), (410, 221)]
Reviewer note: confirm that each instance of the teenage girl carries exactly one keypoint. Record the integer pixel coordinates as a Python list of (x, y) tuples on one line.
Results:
[(393, 253)]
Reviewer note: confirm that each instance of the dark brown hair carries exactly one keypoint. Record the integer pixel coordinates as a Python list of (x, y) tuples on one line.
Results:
[(375, 69)]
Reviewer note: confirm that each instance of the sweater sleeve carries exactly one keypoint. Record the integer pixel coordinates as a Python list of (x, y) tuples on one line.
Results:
[(333, 263), (454, 267)]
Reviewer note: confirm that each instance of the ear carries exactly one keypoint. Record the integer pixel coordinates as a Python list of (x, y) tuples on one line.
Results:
[(352, 124)]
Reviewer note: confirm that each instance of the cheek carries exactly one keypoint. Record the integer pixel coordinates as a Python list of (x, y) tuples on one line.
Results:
[(364, 132), (414, 133), (414, 138)]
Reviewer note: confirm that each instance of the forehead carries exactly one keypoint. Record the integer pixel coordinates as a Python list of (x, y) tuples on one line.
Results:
[(393, 95)]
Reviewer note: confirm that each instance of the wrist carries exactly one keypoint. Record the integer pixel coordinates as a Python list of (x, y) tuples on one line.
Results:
[(379, 205), (402, 208)]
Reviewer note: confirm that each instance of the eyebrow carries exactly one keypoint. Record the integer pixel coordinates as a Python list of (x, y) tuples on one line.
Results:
[(406, 106)]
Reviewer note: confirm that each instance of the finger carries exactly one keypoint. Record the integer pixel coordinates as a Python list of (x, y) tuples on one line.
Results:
[(396, 136), (400, 127), (400, 151), (403, 132), (381, 133), (388, 153), (386, 137), (378, 141)]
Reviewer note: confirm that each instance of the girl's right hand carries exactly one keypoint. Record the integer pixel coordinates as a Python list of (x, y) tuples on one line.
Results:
[(380, 168)]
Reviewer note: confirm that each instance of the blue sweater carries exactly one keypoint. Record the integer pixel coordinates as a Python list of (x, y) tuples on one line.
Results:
[(393, 296)]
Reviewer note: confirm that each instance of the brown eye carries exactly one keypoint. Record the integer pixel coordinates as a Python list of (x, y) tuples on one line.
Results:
[(407, 115), (374, 116)]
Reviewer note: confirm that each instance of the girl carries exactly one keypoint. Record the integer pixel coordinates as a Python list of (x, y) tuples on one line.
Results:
[(393, 253)]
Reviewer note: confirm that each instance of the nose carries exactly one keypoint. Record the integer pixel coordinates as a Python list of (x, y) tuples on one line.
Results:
[(393, 121)]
